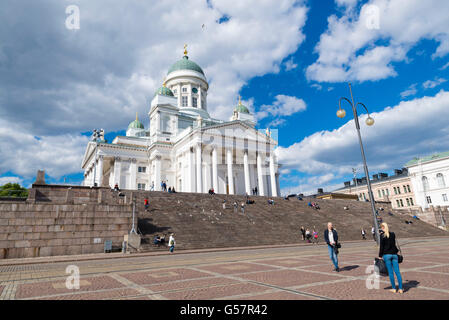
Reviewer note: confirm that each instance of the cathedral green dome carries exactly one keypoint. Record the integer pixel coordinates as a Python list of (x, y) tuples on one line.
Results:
[(136, 124), (164, 91), (185, 64), (242, 109)]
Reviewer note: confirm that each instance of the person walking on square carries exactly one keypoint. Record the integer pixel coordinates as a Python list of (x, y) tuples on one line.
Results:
[(389, 253), (331, 238), (172, 243)]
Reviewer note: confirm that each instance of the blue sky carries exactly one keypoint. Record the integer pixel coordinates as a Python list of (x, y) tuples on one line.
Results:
[(289, 60)]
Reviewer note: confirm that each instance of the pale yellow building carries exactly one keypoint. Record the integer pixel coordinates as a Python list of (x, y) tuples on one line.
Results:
[(397, 189)]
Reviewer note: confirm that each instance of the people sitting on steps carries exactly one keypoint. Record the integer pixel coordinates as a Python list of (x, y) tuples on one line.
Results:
[(211, 191), (271, 201)]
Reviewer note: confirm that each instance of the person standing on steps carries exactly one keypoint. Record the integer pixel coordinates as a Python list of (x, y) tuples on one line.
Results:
[(331, 238), (363, 234), (315, 236), (235, 206), (172, 243), (374, 233), (145, 202), (389, 253), (303, 233), (308, 235)]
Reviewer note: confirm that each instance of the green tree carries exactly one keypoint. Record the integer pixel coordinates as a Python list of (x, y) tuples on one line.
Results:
[(13, 190)]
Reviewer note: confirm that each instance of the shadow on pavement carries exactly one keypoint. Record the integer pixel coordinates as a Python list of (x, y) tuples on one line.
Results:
[(349, 268)]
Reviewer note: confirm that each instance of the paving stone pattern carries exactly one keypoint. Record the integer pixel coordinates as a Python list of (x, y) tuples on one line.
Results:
[(302, 272)]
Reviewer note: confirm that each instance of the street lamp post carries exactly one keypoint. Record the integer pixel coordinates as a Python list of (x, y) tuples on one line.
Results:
[(369, 121)]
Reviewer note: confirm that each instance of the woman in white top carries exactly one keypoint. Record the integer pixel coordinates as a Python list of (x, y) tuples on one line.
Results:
[(172, 242)]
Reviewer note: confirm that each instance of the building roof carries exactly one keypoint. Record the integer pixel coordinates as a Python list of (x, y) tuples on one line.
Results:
[(373, 181), (428, 158), (185, 64)]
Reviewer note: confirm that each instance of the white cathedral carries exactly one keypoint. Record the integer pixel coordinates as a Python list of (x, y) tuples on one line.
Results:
[(186, 148)]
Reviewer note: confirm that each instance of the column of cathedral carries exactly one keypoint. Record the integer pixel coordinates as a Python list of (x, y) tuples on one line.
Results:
[(207, 163)]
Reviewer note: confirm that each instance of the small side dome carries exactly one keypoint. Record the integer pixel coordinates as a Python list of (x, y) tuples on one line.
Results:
[(241, 108), (136, 124), (164, 91)]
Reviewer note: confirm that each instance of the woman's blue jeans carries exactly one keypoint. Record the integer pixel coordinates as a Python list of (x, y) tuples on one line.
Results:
[(392, 264), (333, 256)]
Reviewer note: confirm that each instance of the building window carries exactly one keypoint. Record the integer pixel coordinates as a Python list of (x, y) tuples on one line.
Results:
[(411, 202), (408, 202), (383, 192), (405, 189), (399, 190), (444, 197), (142, 169), (378, 192), (194, 102), (394, 189), (440, 179), (175, 91), (425, 183), (141, 186), (408, 188), (429, 199), (388, 192), (184, 89), (402, 203), (184, 101), (397, 203)]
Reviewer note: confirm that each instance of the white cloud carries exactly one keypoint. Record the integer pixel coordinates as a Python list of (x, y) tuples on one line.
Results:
[(410, 91), (346, 3), (317, 86), (363, 46), (10, 179), (410, 129), (283, 106), (445, 66), (24, 154), (100, 75), (67, 82), (430, 84), (290, 64)]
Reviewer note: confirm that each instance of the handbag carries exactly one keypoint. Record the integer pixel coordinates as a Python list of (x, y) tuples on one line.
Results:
[(380, 267), (400, 256)]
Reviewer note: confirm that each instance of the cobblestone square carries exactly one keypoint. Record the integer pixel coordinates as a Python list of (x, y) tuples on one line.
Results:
[(301, 272)]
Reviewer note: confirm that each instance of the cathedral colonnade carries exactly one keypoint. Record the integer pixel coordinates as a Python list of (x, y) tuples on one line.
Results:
[(227, 171)]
